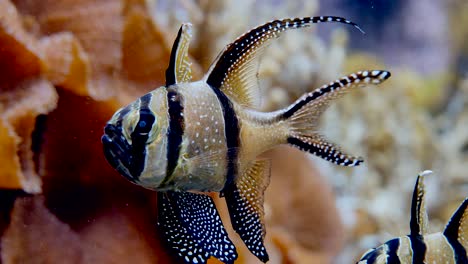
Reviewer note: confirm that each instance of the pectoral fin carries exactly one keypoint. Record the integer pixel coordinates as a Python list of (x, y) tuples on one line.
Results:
[(244, 199), (192, 227), (179, 69)]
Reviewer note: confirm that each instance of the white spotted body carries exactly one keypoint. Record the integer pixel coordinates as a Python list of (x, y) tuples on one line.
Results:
[(447, 247), (202, 163), (190, 137)]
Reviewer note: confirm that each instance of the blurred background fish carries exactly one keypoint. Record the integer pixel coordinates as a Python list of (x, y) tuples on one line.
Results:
[(448, 246)]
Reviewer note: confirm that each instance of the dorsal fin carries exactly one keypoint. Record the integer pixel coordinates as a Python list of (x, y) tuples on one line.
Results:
[(235, 69), (418, 222), (244, 199), (457, 227), (179, 65)]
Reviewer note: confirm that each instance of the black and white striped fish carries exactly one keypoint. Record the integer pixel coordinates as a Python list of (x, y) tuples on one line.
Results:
[(449, 246), (187, 138)]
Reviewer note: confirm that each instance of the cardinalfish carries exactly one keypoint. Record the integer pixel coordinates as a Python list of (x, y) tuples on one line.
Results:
[(191, 137), (449, 246)]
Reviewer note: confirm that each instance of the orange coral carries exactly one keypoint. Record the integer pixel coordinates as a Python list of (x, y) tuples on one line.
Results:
[(35, 231), (77, 62), (23, 96), (30, 99), (315, 225), (79, 204), (95, 60), (11, 169), (67, 63), (18, 49)]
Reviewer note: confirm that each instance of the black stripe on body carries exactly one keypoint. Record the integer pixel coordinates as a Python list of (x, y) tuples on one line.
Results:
[(418, 247), (451, 234), (392, 256), (171, 69), (459, 251), (145, 101), (176, 130), (123, 112), (371, 256), (232, 132), (140, 136), (247, 42)]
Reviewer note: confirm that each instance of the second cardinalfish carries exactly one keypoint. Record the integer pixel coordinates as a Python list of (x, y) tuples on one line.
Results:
[(190, 137), (448, 247)]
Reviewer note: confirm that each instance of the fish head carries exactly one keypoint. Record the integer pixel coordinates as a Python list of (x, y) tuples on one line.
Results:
[(389, 252), (134, 140), (374, 256)]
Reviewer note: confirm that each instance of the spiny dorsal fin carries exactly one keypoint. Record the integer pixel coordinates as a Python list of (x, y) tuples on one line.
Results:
[(418, 221), (303, 116), (457, 227), (192, 227), (179, 69), (235, 69), (244, 199)]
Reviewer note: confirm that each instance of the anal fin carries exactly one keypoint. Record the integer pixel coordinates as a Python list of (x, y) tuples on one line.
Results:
[(192, 227), (244, 199)]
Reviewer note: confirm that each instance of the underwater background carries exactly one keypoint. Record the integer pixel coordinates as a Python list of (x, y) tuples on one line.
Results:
[(67, 65)]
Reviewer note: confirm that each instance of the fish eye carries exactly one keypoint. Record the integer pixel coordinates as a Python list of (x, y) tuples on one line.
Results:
[(144, 124), (143, 127)]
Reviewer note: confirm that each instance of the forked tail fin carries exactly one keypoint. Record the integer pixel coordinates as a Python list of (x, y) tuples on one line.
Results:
[(303, 116)]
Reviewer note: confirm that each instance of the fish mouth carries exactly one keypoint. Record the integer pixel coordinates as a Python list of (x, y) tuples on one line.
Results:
[(117, 151)]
